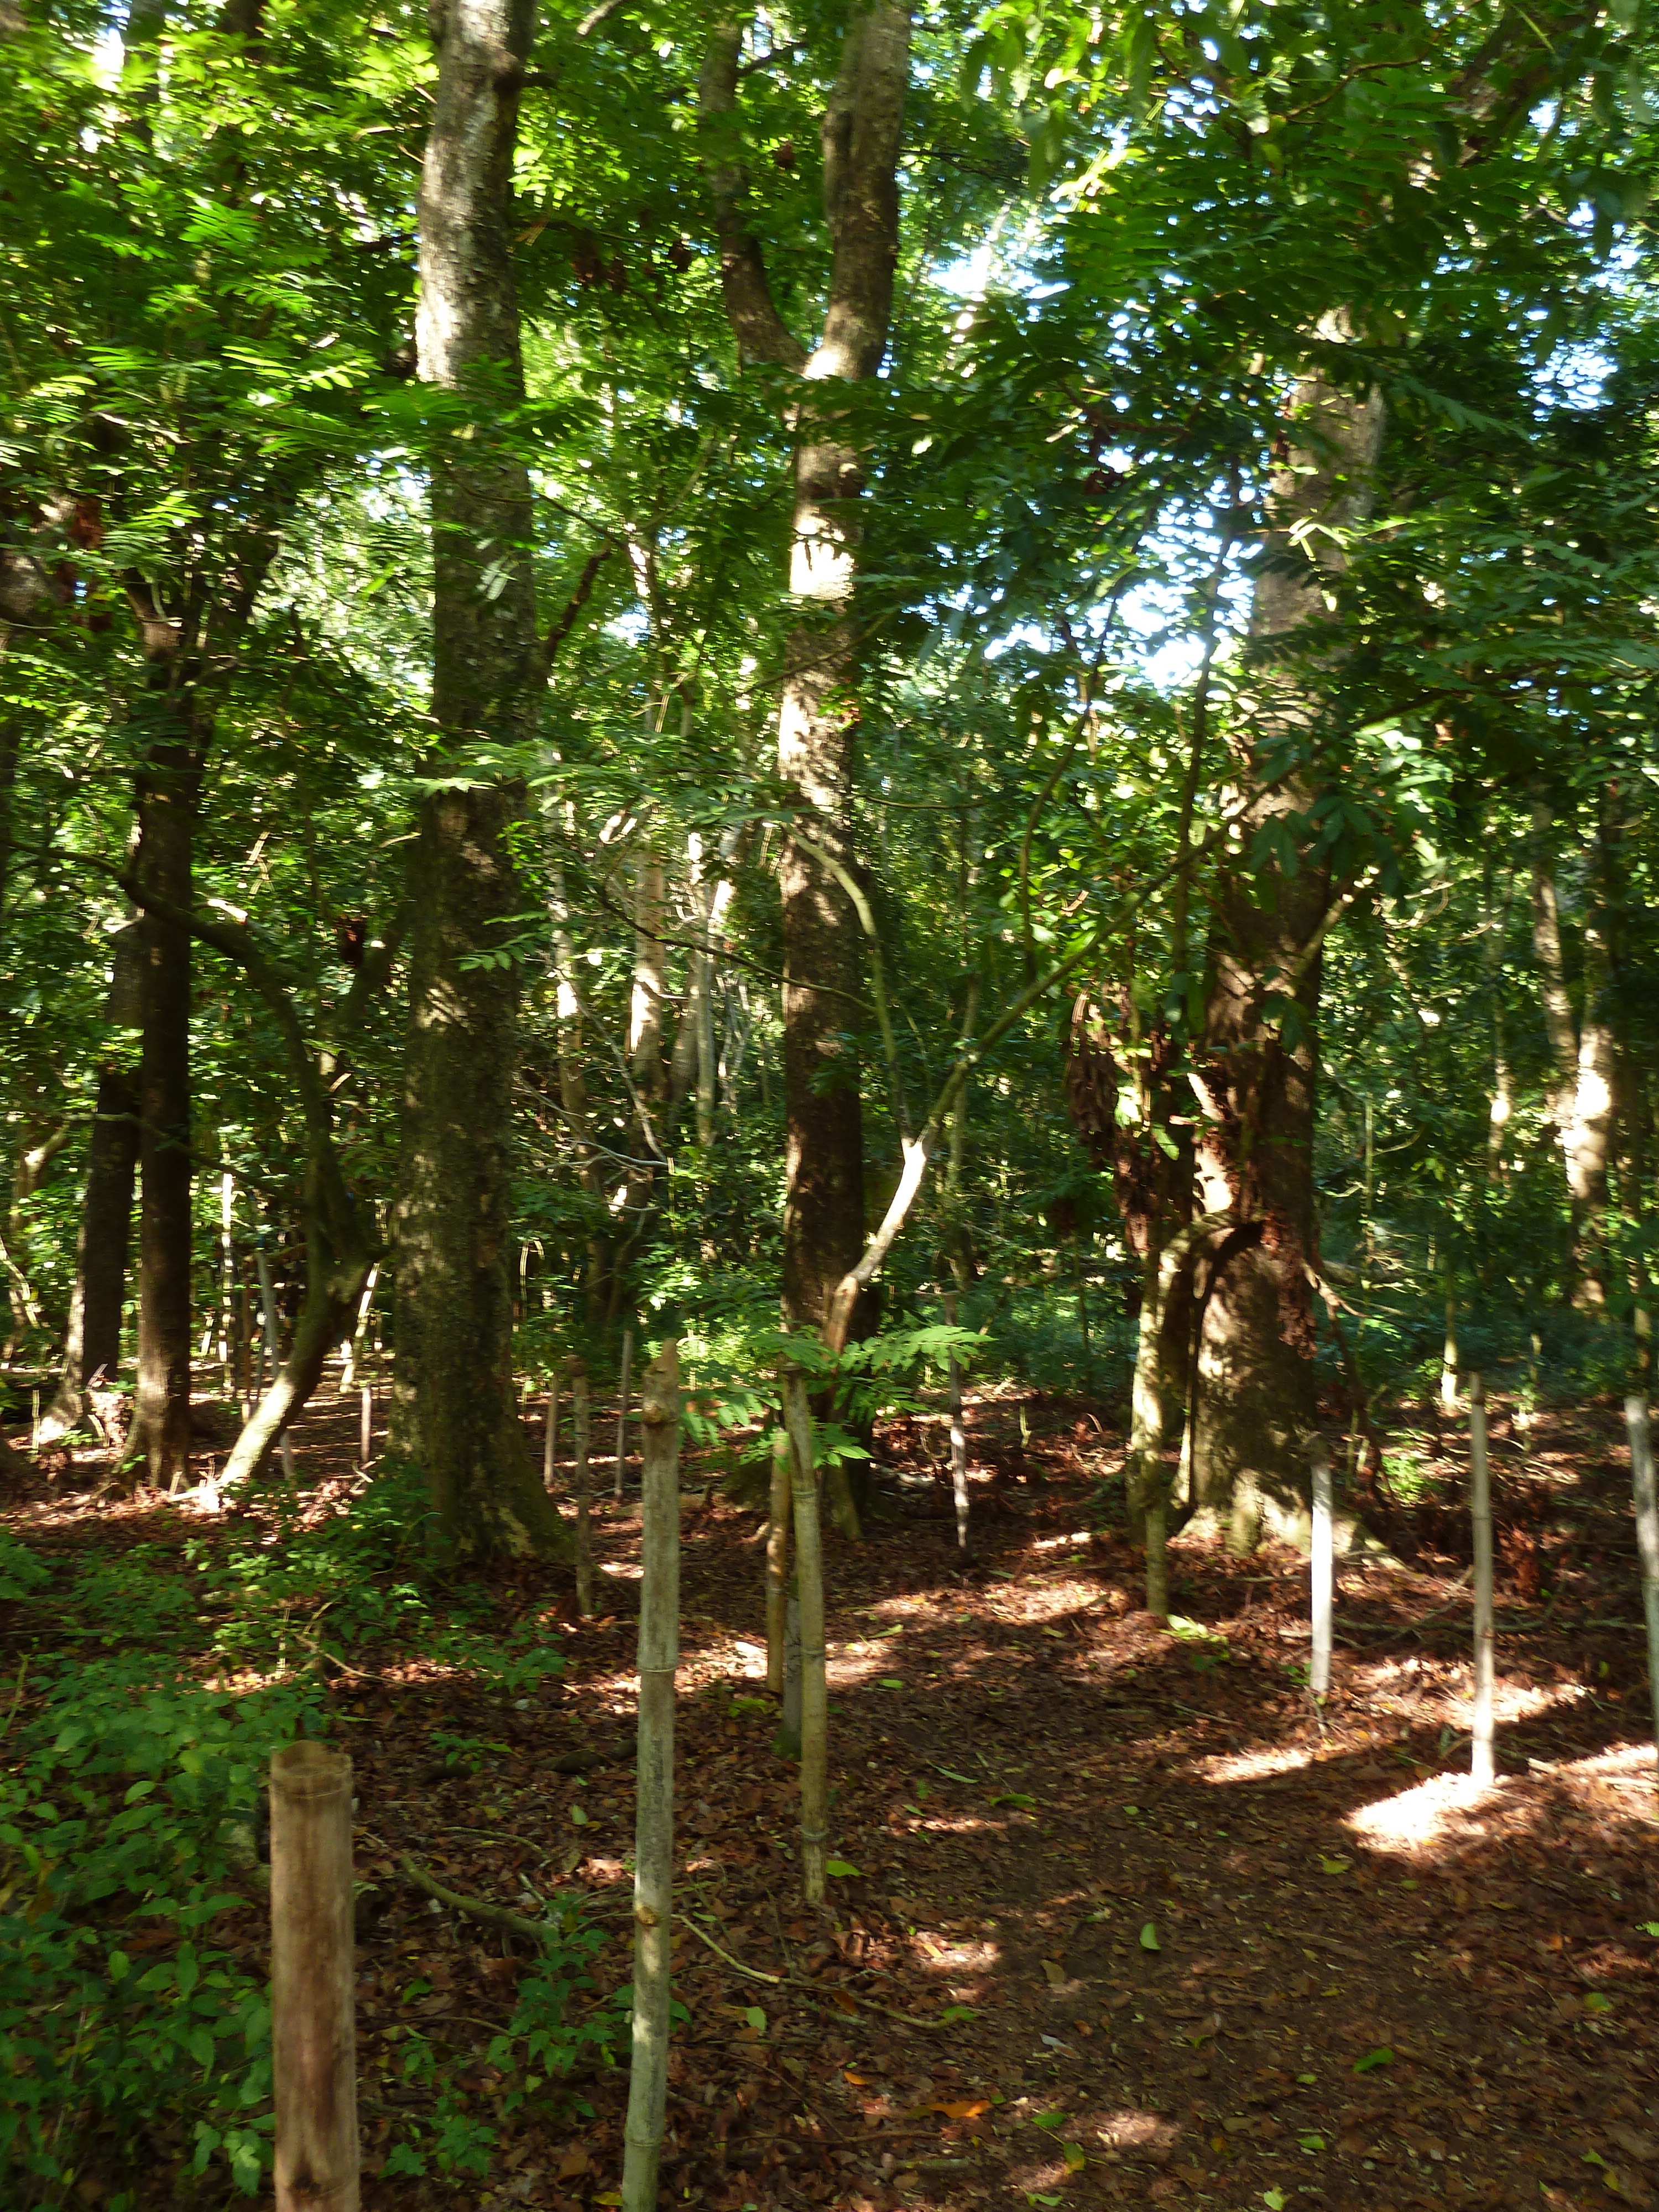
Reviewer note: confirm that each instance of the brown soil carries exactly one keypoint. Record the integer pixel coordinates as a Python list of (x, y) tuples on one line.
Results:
[(1156, 1929)]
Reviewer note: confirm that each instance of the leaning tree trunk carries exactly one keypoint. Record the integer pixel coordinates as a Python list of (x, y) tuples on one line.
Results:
[(457, 1417), (823, 954), (1259, 1056)]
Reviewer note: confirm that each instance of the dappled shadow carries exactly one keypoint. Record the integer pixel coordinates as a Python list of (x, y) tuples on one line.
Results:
[(1117, 1916)]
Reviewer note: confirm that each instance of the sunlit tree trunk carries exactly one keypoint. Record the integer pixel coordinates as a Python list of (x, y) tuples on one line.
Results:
[(457, 1417), (823, 955), (1583, 1046), (1258, 1059)]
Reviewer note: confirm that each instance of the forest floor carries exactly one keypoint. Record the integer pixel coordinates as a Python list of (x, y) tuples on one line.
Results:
[(1120, 1917)]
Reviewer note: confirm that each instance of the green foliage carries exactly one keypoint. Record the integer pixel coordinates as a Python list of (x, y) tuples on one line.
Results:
[(125, 1818)]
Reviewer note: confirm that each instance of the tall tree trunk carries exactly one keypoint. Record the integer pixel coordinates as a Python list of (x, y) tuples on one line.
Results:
[(168, 790), (92, 1351), (823, 951), (1584, 1051), (1259, 1061), (456, 1416), (573, 1095)]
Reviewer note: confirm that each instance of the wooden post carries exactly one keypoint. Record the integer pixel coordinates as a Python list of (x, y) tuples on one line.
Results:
[(777, 1565), (1647, 1534), (367, 1426), (1482, 1770), (550, 1440), (312, 1980), (809, 1584), (622, 1413), (582, 1482), (1319, 1563), (653, 1828)]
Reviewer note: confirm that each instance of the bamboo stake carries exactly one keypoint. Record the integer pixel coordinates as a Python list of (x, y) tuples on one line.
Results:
[(365, 1426), (312, 1980), (227, 1274), (1319, 1668), (268, 1299), (1482, 1770), (622, 1414), (958, 1434), (582, 1481), (777, 1565), (1647, 1535), (809, 1584), (551, 1441), (653, 1830)]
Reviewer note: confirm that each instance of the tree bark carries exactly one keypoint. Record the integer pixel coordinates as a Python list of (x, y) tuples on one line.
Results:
[(457, 1417), (823, 957), (92, 1350), (1583, 1045), (654, 1833), (1258, 1063), (168, 792)]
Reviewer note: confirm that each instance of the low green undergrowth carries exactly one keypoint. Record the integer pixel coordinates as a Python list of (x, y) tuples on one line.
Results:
[(134, 2038)]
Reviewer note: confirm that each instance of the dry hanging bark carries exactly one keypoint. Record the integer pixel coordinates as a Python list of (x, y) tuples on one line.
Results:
[(809, 1584), (314, 2039), (653, 1834)]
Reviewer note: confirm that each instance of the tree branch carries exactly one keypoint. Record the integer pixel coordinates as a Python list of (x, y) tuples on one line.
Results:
[(762, 335)]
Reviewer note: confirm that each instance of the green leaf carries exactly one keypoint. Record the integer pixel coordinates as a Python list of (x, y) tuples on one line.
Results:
[(954, 2013), (1597, 2002), (1072, 2154), (1016, 1798), (1373, 2059), (1149, 1937), (1335, 1866), (891, 1682), (840, 1870), (1274, 2199), (756, 2018), (1050, 2119)]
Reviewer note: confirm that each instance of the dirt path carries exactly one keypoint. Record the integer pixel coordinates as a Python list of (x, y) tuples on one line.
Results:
[(1163, 1933)]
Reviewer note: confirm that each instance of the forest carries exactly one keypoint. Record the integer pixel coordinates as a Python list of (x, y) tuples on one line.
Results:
[(829, 1073)]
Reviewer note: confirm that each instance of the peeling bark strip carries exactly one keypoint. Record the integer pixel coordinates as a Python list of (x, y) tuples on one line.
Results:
[(455, 1412), (862, 139)]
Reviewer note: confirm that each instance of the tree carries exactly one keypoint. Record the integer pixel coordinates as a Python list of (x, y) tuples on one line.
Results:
[(457, 1418)]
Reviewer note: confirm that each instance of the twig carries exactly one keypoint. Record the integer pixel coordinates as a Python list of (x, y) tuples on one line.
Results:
[(477, 1908), (794, 1982)]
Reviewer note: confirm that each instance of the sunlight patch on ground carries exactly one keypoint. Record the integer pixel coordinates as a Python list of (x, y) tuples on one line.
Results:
[(1623, 1765), (1436, 1812), (1252, 1766), (1136, 2130)]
